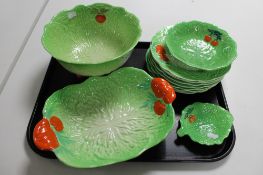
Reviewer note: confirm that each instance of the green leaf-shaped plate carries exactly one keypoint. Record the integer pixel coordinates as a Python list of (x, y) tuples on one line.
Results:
[(205, 123), (175, 70), (92, 40), (186, 43), (107, 119), (181, 86), (154, 66)]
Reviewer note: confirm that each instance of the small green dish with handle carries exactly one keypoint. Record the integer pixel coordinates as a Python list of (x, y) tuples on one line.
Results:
[(198, 45), (92, 40), (205, 123)]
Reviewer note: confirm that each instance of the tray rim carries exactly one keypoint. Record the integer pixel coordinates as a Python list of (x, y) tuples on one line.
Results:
[(50, 155)]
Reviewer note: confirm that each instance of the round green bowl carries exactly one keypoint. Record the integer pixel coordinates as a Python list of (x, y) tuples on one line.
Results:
[(179, 72), (92, 40), (199, 45), (107, 119), (205, 123)]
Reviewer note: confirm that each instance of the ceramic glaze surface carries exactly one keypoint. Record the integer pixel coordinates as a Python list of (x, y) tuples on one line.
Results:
[(201, 45), (176, 70), (205, 123), (75, 36), (92, 40), (44, 136), (176, 77), (107, 119), (180, 85)]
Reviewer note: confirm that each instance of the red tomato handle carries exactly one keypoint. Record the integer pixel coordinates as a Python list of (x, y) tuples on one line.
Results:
[(44, 137), (163, 89)]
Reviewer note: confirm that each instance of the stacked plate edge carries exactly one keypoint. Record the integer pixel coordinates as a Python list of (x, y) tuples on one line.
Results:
[(183, 80)]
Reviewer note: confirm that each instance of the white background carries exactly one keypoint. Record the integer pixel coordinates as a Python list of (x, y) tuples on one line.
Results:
[(20, 48)]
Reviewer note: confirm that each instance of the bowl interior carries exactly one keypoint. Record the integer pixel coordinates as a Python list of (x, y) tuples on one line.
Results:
[(91, 34), (193, 43), (107, 119), (205, 123), (201, 75)]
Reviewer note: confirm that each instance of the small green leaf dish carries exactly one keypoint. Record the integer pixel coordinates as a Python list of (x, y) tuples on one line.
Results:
[(205, 123), (92, 40), (199, 45), (107, 119)]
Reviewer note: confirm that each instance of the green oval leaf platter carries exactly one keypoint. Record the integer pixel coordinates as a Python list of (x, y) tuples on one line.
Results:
[(107, 119), (186, 43), (92, 40), (205, 123)]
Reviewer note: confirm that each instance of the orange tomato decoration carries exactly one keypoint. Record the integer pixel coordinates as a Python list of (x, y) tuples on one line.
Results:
[(163, 57), (192, 118), (157, 84), (214, 43), (100, 18), (57, 123), (159, 107), (44, 137), (162, 89), (169, 96), (207, 38), (160, 49)]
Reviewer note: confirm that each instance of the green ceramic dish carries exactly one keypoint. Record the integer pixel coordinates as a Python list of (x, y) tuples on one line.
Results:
[(151, 61), (177, 71), (201, 45), (107, 119), (92, 40), (205, 123), (185, 86), (179, 85), (177, 88), (153, 67)]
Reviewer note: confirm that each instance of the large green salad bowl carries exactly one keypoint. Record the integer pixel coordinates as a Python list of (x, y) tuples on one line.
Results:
[(92, 40), (103, 120)]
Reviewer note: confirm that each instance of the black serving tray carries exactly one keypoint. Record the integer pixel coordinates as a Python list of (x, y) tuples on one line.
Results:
[(173, 148)]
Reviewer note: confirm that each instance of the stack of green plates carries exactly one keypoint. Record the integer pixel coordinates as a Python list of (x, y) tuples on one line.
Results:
[(180, 65)]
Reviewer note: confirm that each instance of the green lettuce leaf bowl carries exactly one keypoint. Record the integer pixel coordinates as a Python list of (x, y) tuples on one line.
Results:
[(107, 119), (205, 123), (198, 45), (175, 70), (92, 40)]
